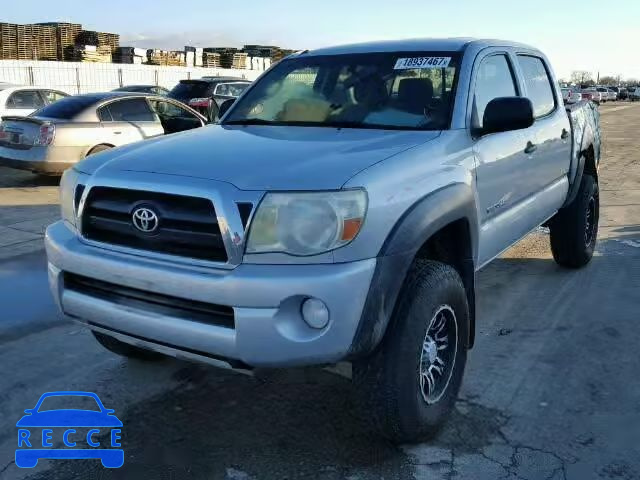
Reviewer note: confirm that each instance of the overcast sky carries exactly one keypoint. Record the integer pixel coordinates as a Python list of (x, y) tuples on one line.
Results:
[(576, 35)]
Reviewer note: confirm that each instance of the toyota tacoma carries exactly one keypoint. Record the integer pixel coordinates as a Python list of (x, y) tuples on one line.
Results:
[(339, 211)]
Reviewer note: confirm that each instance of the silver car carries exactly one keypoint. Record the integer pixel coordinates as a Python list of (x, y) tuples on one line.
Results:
[(59, 135)]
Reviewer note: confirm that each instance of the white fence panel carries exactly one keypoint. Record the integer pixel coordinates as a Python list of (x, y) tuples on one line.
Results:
[(77, 77)]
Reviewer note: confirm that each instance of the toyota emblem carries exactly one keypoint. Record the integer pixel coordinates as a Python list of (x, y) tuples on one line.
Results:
[(145, 219)]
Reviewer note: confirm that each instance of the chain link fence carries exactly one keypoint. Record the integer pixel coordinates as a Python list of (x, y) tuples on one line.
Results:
[(77, 77)]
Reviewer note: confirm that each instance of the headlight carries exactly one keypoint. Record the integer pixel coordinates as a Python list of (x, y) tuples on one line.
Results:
[(71, 186), (307, 223)]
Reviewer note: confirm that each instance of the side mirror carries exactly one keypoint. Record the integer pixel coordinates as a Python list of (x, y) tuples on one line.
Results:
[(505, 114), (225, 106)]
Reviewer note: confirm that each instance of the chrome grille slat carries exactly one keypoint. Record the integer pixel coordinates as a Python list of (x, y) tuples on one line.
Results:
[(188, 226)]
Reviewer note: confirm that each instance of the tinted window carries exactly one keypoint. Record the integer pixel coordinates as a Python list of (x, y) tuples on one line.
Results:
[(191, 89), (493, 80), (167, 110), (104, 115), (27, 99), (66, 108), (538, 84), (53, 96), (131, 110)]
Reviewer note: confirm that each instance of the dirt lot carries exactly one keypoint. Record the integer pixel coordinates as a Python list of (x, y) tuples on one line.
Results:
[(551, 390)]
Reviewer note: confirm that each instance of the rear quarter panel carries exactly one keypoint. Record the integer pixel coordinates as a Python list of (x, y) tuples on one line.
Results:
[(76, 139)]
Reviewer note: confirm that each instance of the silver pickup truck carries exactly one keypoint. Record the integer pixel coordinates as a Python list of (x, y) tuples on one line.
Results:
[(338, 212)]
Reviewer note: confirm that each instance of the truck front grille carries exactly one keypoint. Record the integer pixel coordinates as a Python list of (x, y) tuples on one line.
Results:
[(145, 301), (186, 226)]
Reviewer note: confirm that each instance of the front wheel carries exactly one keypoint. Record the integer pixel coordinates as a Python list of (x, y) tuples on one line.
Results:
[(574, 229), (409, 385)]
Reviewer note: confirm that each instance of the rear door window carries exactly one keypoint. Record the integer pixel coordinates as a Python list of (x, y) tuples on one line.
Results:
[(539, 85), (52, 96), (129, 110), (494, 79), (25, 100)]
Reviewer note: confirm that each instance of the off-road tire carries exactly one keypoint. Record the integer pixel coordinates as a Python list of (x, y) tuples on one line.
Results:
[(126, 350), (569, 228), (388, 381)]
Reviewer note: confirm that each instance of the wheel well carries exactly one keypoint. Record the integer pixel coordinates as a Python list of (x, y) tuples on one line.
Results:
[(452, 245), (590, 162), (99, 145)]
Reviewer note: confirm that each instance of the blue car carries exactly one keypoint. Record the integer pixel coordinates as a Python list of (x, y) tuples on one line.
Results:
[(99, 421)]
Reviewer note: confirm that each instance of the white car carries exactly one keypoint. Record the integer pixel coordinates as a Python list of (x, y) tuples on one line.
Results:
[(21, 100), (596, 96), (607, 95), (571, 96)]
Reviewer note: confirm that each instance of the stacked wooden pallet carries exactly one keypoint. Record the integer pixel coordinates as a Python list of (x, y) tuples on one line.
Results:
[(47, 43), (8, 42), (164, 57), (237, 60), (260, 51), (130, 55), (99, 39), (91, 53), (280, 53), (19, 42), (211, 60), (27, 44), (65, 37)]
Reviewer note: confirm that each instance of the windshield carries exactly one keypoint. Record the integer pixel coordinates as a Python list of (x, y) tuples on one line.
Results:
[(412, 90)]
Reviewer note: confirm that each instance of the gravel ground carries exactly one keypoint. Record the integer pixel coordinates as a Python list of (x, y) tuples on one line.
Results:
[(550, 391)]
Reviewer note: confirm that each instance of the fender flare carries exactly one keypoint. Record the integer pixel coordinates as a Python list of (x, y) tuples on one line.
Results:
[(420, 222)]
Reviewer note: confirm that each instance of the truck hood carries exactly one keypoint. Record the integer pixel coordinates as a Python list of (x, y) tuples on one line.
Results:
[(261, 157)]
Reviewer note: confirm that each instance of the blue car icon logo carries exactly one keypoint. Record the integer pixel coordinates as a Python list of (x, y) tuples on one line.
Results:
[(80, 425)]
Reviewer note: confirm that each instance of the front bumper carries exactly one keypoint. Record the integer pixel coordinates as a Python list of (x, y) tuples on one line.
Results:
[(266, 300)]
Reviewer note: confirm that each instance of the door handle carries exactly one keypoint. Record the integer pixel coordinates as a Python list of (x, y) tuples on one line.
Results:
[(565, 134), (530, 148)]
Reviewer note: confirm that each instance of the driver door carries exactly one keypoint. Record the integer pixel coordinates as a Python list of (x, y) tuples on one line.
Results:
[(175, 118), (503, 161)]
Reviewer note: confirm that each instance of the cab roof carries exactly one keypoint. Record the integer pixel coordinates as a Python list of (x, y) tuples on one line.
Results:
[(416, 44)]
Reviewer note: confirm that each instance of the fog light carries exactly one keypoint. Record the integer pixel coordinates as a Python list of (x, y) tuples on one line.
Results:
[(315, 313)]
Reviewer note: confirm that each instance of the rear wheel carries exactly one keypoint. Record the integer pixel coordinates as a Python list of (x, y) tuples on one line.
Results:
[(98, 149), (409, 385), (574, 229), (126, 350)]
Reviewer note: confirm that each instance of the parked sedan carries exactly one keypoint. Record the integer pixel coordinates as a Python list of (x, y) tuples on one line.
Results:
[(634, 94), (59, 135), (571, 96), (208, 93), (596, 96), (152, 89), (607, 95), (20, 100)]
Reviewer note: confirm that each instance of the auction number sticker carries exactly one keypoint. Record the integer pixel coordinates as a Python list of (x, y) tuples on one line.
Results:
[(422, 62)]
